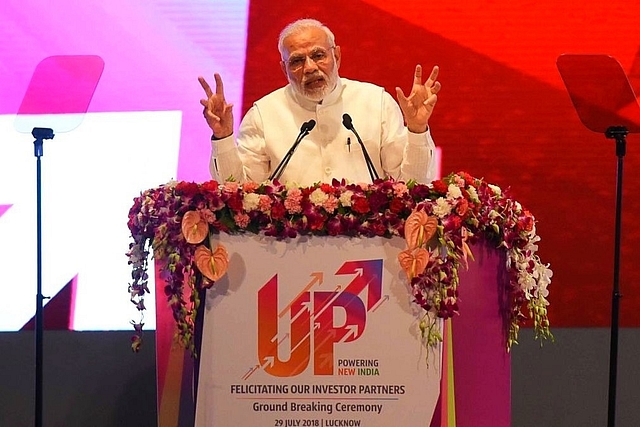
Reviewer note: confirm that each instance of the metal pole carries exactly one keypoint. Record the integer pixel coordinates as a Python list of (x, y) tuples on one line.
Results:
[(40, 134), (619, 133)]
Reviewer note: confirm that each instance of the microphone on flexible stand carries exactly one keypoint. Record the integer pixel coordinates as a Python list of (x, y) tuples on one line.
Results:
[(304, 131), (347, 122)]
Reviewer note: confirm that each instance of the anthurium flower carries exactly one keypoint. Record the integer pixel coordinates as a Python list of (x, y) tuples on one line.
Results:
[(194, 227), (419, 228), (413, 262), (212, 264)]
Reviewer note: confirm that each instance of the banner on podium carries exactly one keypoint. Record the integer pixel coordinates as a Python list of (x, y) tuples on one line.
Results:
[(318, 331)]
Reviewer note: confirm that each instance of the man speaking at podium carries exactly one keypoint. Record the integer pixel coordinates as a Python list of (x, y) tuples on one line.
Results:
[(321, 126)]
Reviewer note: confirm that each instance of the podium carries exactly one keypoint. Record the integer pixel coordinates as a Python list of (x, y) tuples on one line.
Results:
[(324, 330)]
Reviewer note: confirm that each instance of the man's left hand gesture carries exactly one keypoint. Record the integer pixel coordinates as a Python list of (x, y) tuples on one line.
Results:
[(418, 106)]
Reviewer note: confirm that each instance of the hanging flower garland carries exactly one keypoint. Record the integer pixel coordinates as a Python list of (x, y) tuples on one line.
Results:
[(439, 221)]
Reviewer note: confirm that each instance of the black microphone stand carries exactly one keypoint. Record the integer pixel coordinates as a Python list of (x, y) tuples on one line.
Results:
[(347, 122), (372, 170), (40, 134), (619, 133), (306, 128)]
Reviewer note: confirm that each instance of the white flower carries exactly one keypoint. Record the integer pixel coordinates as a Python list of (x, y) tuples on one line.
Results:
[(496, 190), (453, 192), (473, 194), (542, 293), (531, 245), (527, 283), (345, 198), (442, 208), (250, 201), (518, 207), (291, 184), (318, 197), (543, 275)]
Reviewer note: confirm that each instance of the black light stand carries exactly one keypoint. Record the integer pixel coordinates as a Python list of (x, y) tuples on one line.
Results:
[(58, 96), (40, 134), (606, 103), (619, 133)]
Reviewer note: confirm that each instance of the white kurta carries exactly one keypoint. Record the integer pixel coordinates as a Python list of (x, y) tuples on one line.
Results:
[(271, 126)]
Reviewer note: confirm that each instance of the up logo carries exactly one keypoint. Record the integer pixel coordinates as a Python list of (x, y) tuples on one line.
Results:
[(313, 334)]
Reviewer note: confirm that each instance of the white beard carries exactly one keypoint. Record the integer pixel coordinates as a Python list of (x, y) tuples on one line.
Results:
[(318, 94)]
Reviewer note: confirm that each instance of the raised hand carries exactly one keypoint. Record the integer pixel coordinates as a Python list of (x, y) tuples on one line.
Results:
[(217, 113), (418, 106)]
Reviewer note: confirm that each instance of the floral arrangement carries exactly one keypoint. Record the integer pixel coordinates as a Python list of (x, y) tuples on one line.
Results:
[(438, 221)]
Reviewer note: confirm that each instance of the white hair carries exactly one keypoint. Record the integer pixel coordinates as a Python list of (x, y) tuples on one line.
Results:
[(299, 26)]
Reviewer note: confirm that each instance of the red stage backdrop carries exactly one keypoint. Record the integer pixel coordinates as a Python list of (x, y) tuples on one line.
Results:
[(503, 114)]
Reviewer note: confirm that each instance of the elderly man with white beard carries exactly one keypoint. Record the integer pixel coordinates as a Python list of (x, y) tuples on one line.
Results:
[(310, 61)]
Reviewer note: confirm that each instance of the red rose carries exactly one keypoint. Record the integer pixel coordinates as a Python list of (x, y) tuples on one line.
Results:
[(360, 205), (235, 203), (210, 185), (277, 211), (187, 188), (457, 222), (440, 186), (396, 206), (462, 207), (468, 179), (526, 223), (327, 188)]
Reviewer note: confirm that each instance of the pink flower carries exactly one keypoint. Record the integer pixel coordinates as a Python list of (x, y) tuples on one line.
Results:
[(241, 220), (250, 187), (230, 186), (331, 204), (292, 202), (207, 215), (264, 204), (400, 189)]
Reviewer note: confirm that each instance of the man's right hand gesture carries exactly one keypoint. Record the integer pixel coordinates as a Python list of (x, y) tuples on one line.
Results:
[(418, 106), (217, 113)]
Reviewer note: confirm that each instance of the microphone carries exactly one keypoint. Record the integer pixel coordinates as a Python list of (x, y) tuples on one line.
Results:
[(347, 122), (304, 131)]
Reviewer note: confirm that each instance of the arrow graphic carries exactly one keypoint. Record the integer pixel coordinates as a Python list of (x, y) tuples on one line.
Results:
[(316, 277)]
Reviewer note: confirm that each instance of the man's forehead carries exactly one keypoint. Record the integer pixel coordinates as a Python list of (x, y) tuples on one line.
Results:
[(306, 39)]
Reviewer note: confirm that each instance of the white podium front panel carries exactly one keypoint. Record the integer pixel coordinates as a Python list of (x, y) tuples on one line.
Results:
[(314, 332)]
